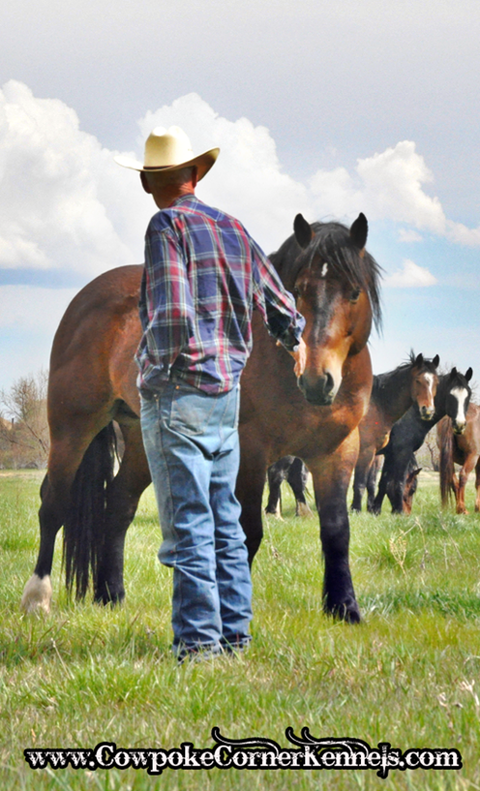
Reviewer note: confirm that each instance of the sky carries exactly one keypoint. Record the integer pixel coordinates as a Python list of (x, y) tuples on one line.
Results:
[(330, 109)]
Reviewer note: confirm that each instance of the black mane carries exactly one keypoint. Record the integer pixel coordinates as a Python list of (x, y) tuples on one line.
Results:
[(332, 243)]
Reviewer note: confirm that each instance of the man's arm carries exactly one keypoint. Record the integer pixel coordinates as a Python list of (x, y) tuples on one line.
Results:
[(275, 303)]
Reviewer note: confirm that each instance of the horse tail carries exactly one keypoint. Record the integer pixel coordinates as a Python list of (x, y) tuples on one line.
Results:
[(447, 469), (84, 527)]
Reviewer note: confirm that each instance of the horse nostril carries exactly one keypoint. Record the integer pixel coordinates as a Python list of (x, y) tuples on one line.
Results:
[(329, 382)]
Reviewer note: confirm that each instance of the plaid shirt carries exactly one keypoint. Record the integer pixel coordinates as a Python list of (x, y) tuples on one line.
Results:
[(203, 275)]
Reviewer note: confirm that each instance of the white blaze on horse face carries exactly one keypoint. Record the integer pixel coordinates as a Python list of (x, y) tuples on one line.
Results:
[(461, 394), (324, 270), (429, 379)]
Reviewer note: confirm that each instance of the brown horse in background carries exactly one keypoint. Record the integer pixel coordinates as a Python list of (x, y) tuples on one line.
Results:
[(393, 393), (92, 383), (459, 444)]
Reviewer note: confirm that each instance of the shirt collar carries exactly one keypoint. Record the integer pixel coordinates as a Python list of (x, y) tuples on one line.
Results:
[(184, 199)]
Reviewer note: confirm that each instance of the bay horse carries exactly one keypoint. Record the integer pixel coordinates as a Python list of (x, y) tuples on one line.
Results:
[(414, 382), (93, 382), (392, 394), (407, 435), (459, 443)]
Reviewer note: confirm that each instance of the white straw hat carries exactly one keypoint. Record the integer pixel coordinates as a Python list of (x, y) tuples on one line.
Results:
[(168, 150)]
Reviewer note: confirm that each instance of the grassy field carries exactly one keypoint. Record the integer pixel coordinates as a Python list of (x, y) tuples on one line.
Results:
[(408, 675)]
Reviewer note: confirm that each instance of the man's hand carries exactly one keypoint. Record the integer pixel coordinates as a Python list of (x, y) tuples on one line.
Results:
[(300, 357)]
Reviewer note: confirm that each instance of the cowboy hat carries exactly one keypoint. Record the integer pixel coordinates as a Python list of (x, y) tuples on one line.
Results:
[(168, 150)]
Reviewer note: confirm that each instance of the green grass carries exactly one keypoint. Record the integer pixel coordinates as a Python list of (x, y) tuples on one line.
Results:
[(408, 675)]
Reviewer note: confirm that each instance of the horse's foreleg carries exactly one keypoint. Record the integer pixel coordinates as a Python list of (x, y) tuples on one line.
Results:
[(331, 476), (249, 490), (371, 483), (462, 483), (275, 477), (382, 490), (362, 470), (297, 478), (122, 497)]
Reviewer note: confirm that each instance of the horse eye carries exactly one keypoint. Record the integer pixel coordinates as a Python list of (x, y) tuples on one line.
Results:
[(355, 295)]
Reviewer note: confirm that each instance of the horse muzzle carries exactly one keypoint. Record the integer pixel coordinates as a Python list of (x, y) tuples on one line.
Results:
[(427, 413), (320, 391), (458, 428)]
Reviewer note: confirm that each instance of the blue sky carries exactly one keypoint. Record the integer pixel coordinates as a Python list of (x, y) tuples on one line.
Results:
[(329, 109)]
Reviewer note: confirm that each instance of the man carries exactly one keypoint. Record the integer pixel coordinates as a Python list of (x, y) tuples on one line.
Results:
[(203, 275)]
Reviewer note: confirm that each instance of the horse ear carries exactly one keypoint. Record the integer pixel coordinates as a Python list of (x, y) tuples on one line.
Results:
[(303, 231), (453, 373), (359, 232), (436, 361), (469, 374), (419, 360)]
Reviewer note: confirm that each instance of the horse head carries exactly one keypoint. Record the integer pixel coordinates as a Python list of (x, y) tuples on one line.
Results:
[(424, 384), (335, 287), (458, 397)]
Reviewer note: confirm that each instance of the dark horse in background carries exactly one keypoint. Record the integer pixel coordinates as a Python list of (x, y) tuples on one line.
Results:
[(407, 436), (414, 382), (393, 393), (92, 383), (294, 471), (460, 447)]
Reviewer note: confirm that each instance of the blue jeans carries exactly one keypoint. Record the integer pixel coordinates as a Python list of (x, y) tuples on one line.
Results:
[(191, 443)]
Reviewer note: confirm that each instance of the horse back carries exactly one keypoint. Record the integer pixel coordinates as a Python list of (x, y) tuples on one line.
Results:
[(92, 356)]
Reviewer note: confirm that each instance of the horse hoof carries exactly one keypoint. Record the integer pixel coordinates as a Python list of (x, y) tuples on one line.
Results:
[(347, 611), (303, 510), (108, 598), (37, 594), (276, 515)]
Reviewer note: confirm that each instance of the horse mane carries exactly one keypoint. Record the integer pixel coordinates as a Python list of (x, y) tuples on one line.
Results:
[(332, 243)]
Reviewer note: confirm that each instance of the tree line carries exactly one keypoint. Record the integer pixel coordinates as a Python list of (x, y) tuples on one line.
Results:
[(24, 440)]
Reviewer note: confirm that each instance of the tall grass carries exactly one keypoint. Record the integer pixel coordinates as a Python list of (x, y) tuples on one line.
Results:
[(408, 675)]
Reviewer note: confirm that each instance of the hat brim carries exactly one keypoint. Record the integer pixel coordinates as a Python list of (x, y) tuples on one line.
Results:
[(203, 163)]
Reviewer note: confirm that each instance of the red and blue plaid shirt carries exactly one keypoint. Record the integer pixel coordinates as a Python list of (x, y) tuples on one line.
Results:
[(203, 276)]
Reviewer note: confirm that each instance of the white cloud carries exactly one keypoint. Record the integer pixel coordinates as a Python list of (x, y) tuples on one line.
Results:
[(247, 180), (59, 190), (410, 276), (65, 204), (408, 235), (388, 185)]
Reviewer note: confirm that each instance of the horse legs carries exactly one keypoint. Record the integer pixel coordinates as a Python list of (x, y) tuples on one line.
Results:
[(249, 490), (122, 497), (276, 474), (382, 489), (462, 483), (371, 483), (297, 478), (331, 476), (65, 457), (362, 471), (477, 486)]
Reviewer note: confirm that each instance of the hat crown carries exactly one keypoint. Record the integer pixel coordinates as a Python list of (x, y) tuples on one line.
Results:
[(167, 148)]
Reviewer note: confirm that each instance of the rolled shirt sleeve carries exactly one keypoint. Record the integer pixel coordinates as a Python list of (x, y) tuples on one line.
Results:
[(275, 303)]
